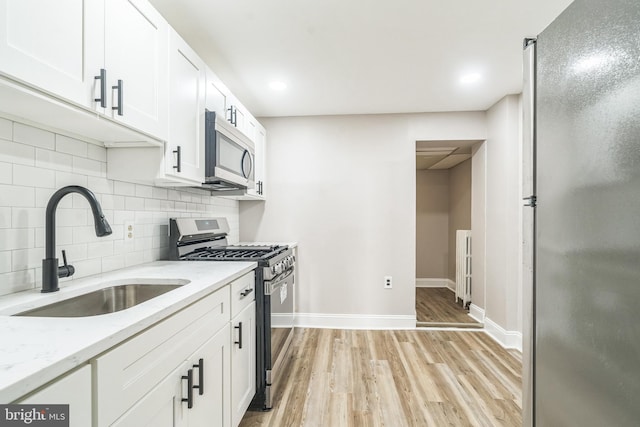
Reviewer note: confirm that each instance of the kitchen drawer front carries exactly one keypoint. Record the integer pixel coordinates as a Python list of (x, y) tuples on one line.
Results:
[(128, 372), (243, 292)]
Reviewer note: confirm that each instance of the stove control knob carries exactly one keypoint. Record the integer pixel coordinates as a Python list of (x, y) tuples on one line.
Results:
[(273, 269)]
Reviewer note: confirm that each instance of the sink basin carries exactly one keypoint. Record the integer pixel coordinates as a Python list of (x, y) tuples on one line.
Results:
[(103, 301)]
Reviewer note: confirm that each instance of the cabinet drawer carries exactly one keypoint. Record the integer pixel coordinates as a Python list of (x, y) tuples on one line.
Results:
[(242, 292), (128, 372)]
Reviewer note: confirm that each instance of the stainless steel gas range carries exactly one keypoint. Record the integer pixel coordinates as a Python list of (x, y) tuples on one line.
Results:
[(205, 239)]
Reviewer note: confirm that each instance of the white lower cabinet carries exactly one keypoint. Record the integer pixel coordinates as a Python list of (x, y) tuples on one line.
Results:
[(172, 404), (243, 362), (147, 370), (73, 389)]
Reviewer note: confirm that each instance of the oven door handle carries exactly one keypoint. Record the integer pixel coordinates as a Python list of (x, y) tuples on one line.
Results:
[(271, 286)]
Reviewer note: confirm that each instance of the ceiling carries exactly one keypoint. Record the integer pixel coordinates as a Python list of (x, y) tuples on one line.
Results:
[(438, 155), (362, 56)]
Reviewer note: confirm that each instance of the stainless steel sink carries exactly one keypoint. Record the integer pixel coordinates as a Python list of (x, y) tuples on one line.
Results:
[(103, 301)]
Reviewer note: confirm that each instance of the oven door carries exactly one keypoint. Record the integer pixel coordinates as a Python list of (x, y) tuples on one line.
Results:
[(279, 297)]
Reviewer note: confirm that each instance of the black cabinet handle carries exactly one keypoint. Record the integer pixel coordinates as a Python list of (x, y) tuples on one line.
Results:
[(200, 368), (233, 116), (260, 187), (189, 378), (239, 328), (103, 88), (246, 292), (119, 88), (178, 153)]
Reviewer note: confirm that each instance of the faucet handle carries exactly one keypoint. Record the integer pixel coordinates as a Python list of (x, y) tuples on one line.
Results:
[(65, 270)]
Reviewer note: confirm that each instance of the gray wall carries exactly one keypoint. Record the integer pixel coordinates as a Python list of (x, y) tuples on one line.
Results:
[(432, 223), (459, 208), (344, 187)]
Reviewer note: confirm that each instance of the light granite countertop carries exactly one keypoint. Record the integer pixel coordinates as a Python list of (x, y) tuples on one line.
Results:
[(36, 350)]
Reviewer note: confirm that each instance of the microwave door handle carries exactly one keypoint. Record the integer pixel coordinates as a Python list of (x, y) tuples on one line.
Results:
[(245, 173)]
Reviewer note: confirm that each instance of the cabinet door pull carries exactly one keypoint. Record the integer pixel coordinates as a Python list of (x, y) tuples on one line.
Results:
[(239, 328), (178, 153), (103, 88), (200, 368), (189, 378), (233, 118), (118, 87), (246, 292)]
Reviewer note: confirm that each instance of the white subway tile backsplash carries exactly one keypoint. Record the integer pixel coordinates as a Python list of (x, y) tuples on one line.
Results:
[(16, 238), (33, 136), (42, 163), (20, 154), (24, 259), (30, 176), (144, 191), (5, 262), (73, 217), (133, 203), (159, 193), (96, 152), (53, 160), (5, 217), (27, 217), (44, 194), (111, 202), (6, 173), (64, 144), (100, 185), (87, 267), (65, 178), (89, 167), (64, 236), (114, 262), (124, 188), (74, 252), (17, 281), (17, 196), (134, 258), (99, 249), (6, 129)]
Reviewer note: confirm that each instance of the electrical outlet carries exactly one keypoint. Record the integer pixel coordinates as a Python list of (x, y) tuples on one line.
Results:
[(128, 231), (388, 282)]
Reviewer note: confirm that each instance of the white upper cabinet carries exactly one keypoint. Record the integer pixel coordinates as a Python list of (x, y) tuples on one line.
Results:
[(185, 148), (57, 46), (217, 95), (136, 40)]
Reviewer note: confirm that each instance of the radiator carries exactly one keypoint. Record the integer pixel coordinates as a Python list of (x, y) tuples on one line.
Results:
[(463, 267)]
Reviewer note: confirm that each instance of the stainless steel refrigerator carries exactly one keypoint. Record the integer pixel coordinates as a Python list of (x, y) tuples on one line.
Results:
[(586, 367)]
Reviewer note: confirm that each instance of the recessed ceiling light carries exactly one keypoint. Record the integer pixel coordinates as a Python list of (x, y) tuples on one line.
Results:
[(470, 78), (277, 85)]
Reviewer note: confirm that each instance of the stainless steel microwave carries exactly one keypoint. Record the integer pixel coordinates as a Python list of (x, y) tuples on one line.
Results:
[(229, 156)]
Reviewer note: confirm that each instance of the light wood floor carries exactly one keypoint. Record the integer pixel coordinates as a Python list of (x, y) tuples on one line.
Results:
[(437, 306), (395, 378)]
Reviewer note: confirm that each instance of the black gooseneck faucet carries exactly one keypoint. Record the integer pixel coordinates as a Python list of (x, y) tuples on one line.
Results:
[(50, 270)]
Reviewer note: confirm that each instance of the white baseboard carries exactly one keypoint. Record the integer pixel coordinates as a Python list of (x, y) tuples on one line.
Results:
[(354, 321), (507, 339), (436, 283), (282, 320), (476, 313)]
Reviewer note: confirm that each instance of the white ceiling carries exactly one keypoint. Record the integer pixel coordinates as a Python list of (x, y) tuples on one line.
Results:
[(362, 56)]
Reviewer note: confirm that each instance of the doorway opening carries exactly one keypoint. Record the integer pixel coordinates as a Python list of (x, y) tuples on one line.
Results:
[(443, 207)]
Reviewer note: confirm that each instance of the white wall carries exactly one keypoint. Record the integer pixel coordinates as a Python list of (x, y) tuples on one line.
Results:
[(503, 214), (34, 163), (344, 188)]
